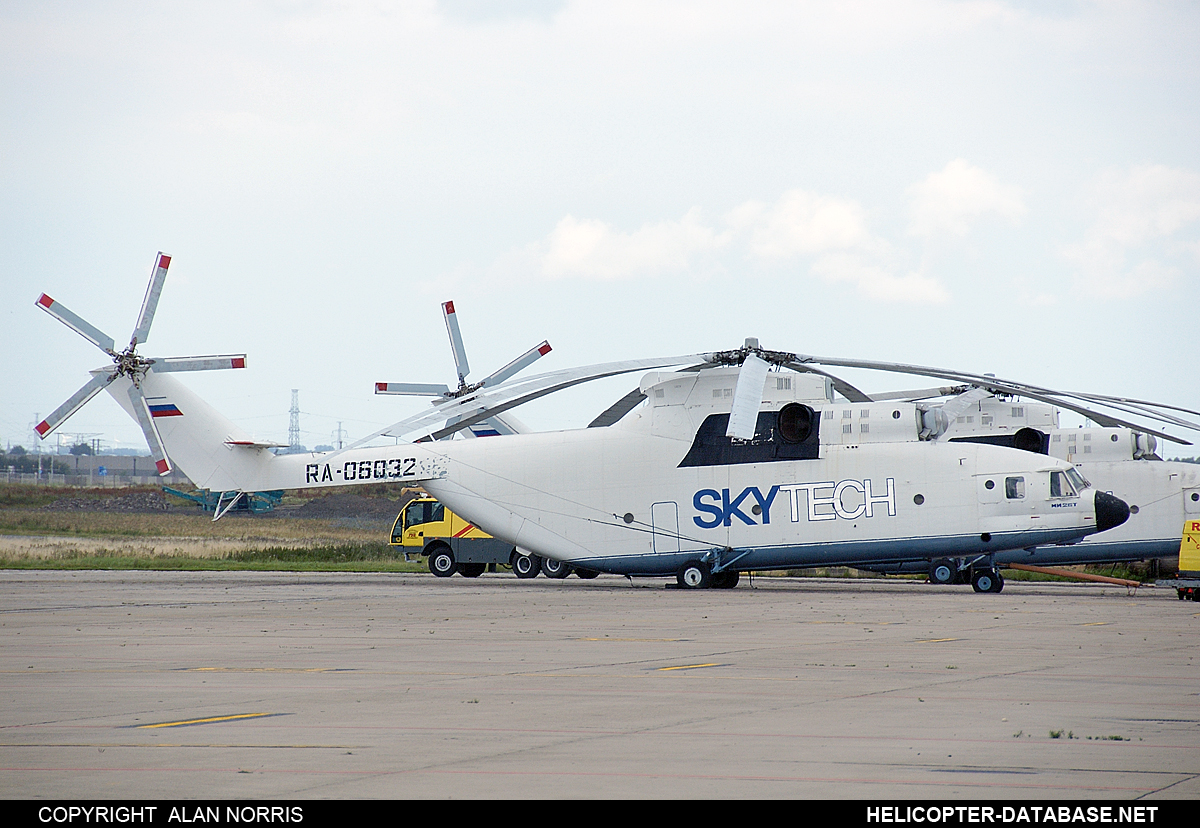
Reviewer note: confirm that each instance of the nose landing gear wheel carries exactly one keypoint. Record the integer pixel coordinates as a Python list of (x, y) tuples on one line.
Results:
[(726, 580), (987, 580), (694, 575)]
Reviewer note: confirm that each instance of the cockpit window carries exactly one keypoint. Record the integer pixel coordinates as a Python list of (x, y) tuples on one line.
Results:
[(1077, 480), (1060, 486), (1014, 487)]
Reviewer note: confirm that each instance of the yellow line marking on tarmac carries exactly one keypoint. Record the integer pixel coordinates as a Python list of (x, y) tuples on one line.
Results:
[(934, 640), (1096, 624), (688, 667), (206, 721)]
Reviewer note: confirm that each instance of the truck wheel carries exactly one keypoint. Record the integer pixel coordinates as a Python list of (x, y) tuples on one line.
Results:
[(555, 569), (526, 566), (471, 570), (441, 561)]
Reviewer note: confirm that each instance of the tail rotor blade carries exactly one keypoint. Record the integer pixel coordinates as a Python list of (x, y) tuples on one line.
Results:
[(200, 363), (456, 343), (747, 398), (150, 303), (77, 400), (142, 409), (78, 324), (519, 364)]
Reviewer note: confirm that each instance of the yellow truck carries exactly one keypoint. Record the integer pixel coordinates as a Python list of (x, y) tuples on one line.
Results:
[(1187, 582), (454, 544)]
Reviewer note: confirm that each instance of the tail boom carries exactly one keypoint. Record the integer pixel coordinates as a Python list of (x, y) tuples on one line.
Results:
[(217, 455)]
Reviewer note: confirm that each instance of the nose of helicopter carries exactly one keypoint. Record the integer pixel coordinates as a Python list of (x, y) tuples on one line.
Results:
[(1110, 511)]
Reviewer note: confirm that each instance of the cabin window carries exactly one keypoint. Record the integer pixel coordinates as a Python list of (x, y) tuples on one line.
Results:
[(1014, 487)]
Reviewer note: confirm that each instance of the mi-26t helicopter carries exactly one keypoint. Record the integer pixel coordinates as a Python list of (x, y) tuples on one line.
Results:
[(723, 470)]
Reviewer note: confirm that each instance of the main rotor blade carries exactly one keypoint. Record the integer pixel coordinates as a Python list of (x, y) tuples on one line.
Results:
[(1003, 386), (519, 364), (412, 389), (76, 401), (78, 324), (920, 393), (747, 398), (150, 302), (618, 409), (199, 363), (496, 400), (142, 409), (456, 343)]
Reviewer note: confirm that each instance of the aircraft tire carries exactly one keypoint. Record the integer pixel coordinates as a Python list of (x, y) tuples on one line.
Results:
[(555, 569), (526, 566), (987, 580), (726, 580), (441, 561), (587, 574), (471, 570), (942, 571), (694, 575)]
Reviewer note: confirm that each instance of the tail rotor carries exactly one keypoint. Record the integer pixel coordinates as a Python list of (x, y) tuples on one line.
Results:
[(128, 363)]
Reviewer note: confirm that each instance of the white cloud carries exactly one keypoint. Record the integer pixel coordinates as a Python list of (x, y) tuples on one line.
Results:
[(874, 281), (1145, 228), (593, 249), (950, 200), (800, 223), (829, 232)]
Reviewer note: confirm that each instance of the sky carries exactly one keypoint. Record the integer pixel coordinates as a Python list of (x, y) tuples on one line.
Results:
[(1005, 187)]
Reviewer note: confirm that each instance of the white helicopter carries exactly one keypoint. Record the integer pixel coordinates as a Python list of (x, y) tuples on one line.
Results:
[(1162, 494), (724, 470)]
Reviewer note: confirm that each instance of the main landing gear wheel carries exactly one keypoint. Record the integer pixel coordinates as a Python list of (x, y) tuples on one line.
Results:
[(726, 580), (587, 574), (526, 566), (472, 570), (987, 580), (942, 571), (555, 569), (694, 575), (441, 562)]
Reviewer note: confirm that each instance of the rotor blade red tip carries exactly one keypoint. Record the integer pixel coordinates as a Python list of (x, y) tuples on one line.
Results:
[(380, 386), (163, 466), (164, 261), (544, 348), (45, 301), (448, 307), (238, 362), (41, 428)]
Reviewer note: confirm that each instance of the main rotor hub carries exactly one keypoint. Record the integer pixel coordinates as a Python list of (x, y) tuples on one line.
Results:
[(737, 357)]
